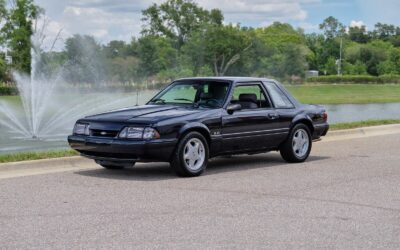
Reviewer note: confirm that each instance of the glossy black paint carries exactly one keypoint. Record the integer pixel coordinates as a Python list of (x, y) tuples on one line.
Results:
[(243, 131)]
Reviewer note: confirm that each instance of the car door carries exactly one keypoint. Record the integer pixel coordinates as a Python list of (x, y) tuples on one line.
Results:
[(284, 109), (249, 129)]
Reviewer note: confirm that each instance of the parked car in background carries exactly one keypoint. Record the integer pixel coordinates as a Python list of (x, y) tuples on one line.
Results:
[(195, 119)]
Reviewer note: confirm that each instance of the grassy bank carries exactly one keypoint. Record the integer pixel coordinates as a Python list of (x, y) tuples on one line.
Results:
[(346, 94), (328, 94), (36, 155), (369, 123)]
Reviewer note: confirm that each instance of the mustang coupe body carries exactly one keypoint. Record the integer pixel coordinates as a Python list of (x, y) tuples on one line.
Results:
[(194, 119)]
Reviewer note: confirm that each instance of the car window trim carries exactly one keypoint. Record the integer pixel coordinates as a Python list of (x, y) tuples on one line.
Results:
[(260, 84), (283, 92)]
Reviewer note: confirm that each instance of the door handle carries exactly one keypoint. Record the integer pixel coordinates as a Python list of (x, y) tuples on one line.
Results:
[(273, 116)]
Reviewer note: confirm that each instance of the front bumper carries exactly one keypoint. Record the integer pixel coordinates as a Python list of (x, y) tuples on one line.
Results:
[(114, 149)]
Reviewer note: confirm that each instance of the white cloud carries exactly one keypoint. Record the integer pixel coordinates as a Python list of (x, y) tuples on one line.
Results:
[(358, 24), (259, 10), (121, 19)]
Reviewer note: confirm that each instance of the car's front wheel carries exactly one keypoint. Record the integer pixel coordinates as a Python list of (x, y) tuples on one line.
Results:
[(191, 155), (297, 146)]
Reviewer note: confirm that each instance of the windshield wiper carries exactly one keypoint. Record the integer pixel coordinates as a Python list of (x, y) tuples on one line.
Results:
[(183, 99), (158, 100), (194, 104)]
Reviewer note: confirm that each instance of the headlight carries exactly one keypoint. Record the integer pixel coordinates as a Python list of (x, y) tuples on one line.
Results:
[(81, 129), (139, 133)]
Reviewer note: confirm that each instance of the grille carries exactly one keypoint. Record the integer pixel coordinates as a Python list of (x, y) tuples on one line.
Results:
[(103, 133)]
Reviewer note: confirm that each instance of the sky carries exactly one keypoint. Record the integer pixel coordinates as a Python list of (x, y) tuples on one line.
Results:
[(108, 20)]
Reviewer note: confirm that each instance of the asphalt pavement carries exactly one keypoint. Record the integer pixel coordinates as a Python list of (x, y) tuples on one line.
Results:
[(346, 196)]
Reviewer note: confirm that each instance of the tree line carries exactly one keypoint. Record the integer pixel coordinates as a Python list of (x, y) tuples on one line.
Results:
[(179, 38)]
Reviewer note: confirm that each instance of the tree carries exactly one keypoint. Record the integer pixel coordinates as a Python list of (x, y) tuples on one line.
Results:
[(358, 34), (330, 67), (315, 42), (224, 46), (392, 65), (17, 32), (332, 27), (370, 54), (194, 52), (359, 68), (285, 51), (176, 19), (295, 60), (124, 69), (156, 53), (384, 31), (84, 60), (116, 49), (3, 11), (278, 34), (3, 69), (51, 62)]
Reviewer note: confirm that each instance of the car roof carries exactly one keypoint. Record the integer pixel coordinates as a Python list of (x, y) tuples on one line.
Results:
[(228, 78)]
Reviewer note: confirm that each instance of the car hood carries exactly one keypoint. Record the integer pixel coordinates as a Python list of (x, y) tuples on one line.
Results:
[(145, 113)]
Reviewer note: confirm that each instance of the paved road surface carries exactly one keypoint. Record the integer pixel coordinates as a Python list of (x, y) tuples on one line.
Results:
[(346, 196)]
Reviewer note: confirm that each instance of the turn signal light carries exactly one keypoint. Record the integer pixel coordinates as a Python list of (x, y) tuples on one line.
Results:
[(325, 116)]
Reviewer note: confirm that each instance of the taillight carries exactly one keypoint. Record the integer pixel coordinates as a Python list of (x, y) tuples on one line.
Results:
[(325, 116)]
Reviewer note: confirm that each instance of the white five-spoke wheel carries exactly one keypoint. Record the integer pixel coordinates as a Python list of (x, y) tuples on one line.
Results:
[(300, 143), (297, 146), (194, 154), (191, 155)]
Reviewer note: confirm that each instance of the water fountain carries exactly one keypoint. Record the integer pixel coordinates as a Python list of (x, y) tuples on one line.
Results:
[(49, 107)]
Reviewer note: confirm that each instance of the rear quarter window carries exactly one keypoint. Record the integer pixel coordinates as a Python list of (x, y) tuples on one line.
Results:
[(279, 98)]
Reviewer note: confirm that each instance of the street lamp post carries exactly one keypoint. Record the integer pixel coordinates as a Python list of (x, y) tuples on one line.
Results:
[(339, 62)]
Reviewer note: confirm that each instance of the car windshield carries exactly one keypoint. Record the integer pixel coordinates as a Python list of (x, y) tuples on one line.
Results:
[(210, 94)]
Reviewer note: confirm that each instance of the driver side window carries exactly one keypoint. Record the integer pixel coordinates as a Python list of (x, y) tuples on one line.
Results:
[(250, 97)]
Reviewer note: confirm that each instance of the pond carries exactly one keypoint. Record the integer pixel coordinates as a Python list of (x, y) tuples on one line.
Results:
[(362, 112)]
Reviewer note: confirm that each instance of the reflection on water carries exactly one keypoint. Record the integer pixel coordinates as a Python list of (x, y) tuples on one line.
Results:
[(361, 112), (337, 113)]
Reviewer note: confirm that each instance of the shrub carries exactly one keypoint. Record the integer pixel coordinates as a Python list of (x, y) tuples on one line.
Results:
[(8, 90), (355, 79)]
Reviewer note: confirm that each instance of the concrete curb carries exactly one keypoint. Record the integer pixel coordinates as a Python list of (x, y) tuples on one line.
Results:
[(62, 162), (391, 128), (77, 161)]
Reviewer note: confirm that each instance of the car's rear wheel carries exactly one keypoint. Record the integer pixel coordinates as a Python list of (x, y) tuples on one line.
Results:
[(191, 155), (297, 146)]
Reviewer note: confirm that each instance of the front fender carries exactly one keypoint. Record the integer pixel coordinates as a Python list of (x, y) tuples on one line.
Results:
[(191, 126)]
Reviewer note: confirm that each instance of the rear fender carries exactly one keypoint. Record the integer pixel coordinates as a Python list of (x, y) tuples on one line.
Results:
[(302, 118)]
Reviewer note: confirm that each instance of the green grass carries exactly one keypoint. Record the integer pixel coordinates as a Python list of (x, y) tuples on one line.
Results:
[(10, 99), (368, 123), (27, 156), (346, 94)]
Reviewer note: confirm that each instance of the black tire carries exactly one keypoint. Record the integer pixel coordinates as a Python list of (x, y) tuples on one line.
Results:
[(178, 163), (287, 150)]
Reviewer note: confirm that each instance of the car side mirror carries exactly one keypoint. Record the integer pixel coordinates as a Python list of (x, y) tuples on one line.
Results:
[(233, 107)]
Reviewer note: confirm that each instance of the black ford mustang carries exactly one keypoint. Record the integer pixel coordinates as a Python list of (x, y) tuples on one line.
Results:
[(194, 119)]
